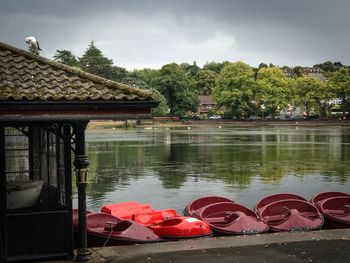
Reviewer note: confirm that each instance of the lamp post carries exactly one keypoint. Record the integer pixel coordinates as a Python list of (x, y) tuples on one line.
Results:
[(262, 106)]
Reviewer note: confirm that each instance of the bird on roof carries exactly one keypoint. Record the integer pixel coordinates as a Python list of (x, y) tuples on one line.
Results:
[(33, 44)]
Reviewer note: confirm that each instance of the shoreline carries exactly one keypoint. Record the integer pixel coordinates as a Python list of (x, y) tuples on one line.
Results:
[(198, 123)]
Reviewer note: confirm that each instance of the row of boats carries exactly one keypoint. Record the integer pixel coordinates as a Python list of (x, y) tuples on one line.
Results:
[(132, 222)]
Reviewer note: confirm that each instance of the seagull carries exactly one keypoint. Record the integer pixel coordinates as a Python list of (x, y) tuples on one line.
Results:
[(33, 43)]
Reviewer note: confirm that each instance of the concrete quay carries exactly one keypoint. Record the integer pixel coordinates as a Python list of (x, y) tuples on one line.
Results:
[(316, 246)]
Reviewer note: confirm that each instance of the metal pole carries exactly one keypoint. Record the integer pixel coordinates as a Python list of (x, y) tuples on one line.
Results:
[(3, 202), (81, 163)]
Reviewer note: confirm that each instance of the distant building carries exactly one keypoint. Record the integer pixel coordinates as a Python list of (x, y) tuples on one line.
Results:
[(311, 71), (206, 103)]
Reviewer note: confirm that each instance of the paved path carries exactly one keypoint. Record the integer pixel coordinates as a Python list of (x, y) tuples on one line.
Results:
[(317, 246)]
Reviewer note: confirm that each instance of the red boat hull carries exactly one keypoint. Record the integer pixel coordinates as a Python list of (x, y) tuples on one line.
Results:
[(181, 227), (291, 215), (105, 230), (232, 219), (196, 206), (274, 198), (336, 210)]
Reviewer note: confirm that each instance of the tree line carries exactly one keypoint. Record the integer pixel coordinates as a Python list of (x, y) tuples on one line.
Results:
[(236, 86)]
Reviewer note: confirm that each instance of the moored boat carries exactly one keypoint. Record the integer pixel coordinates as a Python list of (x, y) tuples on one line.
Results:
[(291, 215), (274, 198), (232, 218), (152, 217), (336, 210), (196, 206), (181, 227), (321, 197), (104, 229), (126, 210)]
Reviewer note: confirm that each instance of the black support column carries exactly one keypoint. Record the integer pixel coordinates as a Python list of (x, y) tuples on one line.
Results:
[(81, 163), (3, 193)]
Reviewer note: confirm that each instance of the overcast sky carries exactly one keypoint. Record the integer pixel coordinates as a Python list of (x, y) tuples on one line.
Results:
[(152, 33)]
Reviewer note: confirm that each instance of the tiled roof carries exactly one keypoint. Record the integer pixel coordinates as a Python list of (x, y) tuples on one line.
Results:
[(25, 76), (206, 99)]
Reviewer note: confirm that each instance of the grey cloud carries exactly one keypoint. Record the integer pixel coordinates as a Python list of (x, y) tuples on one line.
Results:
[(153, 33)]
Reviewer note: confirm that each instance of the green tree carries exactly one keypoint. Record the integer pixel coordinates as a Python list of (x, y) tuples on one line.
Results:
[(327, 66), (274, 89), (66, 57), (147, 76), (235, 88), (215, 66), (203, 82), (93, 61), (311, 93), (298, 71), (340, 86), (262, 65), (162, 108), (173, 83), (190, 70)]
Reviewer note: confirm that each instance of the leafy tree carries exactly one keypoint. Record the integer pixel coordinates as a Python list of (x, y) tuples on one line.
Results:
[(298, 71), (174, 85), (327, 66), (262, 65), (66, 57), (147, 76), (273, 89), (310, 93), (340, 85), (162, 108), (215, 66), (203, 82), (235, 88), (93, 61), (190, 70)]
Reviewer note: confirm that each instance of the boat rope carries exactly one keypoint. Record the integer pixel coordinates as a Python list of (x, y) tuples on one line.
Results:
[(110, 232)]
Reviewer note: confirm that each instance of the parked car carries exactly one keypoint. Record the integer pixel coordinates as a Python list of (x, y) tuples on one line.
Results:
[(273, 117), (215, 117), (196, 117), (297, 117), (254, 118)]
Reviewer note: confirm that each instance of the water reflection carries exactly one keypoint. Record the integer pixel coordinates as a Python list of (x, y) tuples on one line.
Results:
[(169, 167)]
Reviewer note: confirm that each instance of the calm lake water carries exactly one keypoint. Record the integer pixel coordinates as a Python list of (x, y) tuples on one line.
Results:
[(169, 167)]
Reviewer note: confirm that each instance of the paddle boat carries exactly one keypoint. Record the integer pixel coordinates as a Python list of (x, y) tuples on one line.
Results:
[(194, 208), (274, 198), (321, 197), (335, 207), (126, 210), (105, 230), (232, 219), (165, 223), (181, 227), (291, 215)]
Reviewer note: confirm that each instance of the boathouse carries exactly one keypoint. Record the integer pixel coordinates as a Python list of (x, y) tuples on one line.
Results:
[(45, 107)]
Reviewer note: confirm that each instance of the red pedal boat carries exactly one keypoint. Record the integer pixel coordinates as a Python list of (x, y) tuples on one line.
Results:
[(274, 198), (126, 210), (196, 206), (104, 229), (232, 218), (317, 199), (335, 207), (181, 227), (291, 215)]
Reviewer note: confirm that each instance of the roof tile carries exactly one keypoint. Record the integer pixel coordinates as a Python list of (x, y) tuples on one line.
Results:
[(25, 76)]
